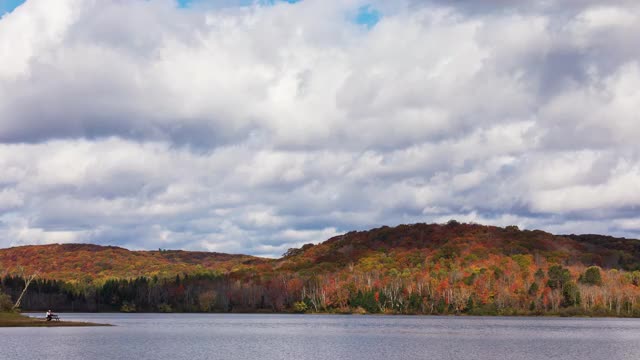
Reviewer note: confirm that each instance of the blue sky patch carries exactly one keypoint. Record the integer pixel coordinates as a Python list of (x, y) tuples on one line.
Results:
[(367, 16), (184, 3), (9, 5)]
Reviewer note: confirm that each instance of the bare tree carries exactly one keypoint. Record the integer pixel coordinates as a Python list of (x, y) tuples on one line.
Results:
[(27, 281)]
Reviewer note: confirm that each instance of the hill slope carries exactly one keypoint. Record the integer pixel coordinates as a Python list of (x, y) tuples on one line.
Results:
[(73, 262), (415, 269), (417, 242)]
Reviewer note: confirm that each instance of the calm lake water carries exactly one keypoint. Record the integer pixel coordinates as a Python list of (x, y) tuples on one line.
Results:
[(304, 337)]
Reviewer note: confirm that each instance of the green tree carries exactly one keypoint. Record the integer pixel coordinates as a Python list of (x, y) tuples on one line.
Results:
[(571, 294), (470, 304), (300, 307), (592, 276), (366, 300), (558, 276), (453, 223), (5, 302)]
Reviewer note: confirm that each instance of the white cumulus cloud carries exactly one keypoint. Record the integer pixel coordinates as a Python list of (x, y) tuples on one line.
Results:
[(256, 128)]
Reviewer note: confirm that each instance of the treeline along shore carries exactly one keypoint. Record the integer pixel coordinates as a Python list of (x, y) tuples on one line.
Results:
[(451, 268)]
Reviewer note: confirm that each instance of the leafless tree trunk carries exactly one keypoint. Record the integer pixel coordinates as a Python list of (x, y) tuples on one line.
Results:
[(27, 282)]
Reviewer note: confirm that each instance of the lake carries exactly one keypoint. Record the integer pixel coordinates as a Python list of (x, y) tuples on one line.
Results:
[(305, 337)]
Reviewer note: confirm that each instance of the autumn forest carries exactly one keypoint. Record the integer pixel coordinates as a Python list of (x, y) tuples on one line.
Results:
[(452, 268)]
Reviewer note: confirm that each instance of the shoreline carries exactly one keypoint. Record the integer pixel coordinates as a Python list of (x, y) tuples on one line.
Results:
[(20, 320), (508, 315)]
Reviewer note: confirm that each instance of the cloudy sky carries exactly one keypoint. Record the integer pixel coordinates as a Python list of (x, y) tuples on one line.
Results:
[(252, 127)]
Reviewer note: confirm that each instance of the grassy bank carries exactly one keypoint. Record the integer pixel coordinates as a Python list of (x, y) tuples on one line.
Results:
[(10, 319)]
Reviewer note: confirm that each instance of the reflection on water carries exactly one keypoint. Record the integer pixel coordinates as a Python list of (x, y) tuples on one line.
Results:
[(304, 337)]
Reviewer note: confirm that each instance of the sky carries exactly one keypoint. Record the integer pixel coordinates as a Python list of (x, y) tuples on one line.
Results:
[(256, 126)]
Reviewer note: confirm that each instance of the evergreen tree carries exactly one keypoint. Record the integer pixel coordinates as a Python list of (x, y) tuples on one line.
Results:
[(558, 276), (592, 276)]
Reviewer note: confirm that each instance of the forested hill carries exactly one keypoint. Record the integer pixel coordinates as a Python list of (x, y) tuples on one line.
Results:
[(414, 269), (404, 245), (412, 244), (81, 262)]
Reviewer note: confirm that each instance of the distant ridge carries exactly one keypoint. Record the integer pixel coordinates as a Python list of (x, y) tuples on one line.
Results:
[(71, 261)]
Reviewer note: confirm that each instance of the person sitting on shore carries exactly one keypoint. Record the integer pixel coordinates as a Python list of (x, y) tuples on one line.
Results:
[(49, 315)]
